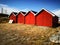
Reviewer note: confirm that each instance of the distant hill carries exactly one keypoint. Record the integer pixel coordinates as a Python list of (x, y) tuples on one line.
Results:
[(3, 15)]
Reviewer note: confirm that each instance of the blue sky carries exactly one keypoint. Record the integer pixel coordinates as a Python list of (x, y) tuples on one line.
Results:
[(26, 5), (35, 5)]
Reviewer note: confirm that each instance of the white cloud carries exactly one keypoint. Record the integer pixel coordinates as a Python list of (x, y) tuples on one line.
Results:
[(3, 5), (8, 9), (57, 12), (26, 10), (11, 9)]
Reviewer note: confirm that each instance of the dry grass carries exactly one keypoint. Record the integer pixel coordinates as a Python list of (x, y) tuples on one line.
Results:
[(22, 34)]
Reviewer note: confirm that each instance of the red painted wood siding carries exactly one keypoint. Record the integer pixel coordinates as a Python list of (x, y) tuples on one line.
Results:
[(20, 18), (30, 19), (44, 19), (12, 17)]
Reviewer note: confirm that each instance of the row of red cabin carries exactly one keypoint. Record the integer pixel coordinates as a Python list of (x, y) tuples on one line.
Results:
[(42, 18)]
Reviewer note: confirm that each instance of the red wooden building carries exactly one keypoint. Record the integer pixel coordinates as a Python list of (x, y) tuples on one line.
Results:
[(13, 17), (46, 18), (21, 17), (30, 17)]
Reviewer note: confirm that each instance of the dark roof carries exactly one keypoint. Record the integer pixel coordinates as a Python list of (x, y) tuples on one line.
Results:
[(47, 12), (34, 11), (23, 12), (14, 13)]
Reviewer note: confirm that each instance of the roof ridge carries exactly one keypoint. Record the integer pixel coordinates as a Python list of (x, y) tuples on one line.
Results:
[(21, 13), (47, 11), (31, 12)]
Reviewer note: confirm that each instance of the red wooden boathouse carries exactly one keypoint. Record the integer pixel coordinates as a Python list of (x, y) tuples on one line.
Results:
[(13, 17), (30, 17), (20, 17), (46, 18)]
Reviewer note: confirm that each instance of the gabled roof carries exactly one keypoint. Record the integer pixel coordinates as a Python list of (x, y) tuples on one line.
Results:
[(23, 13), (46, 11), (14, 13), (34, 12)]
